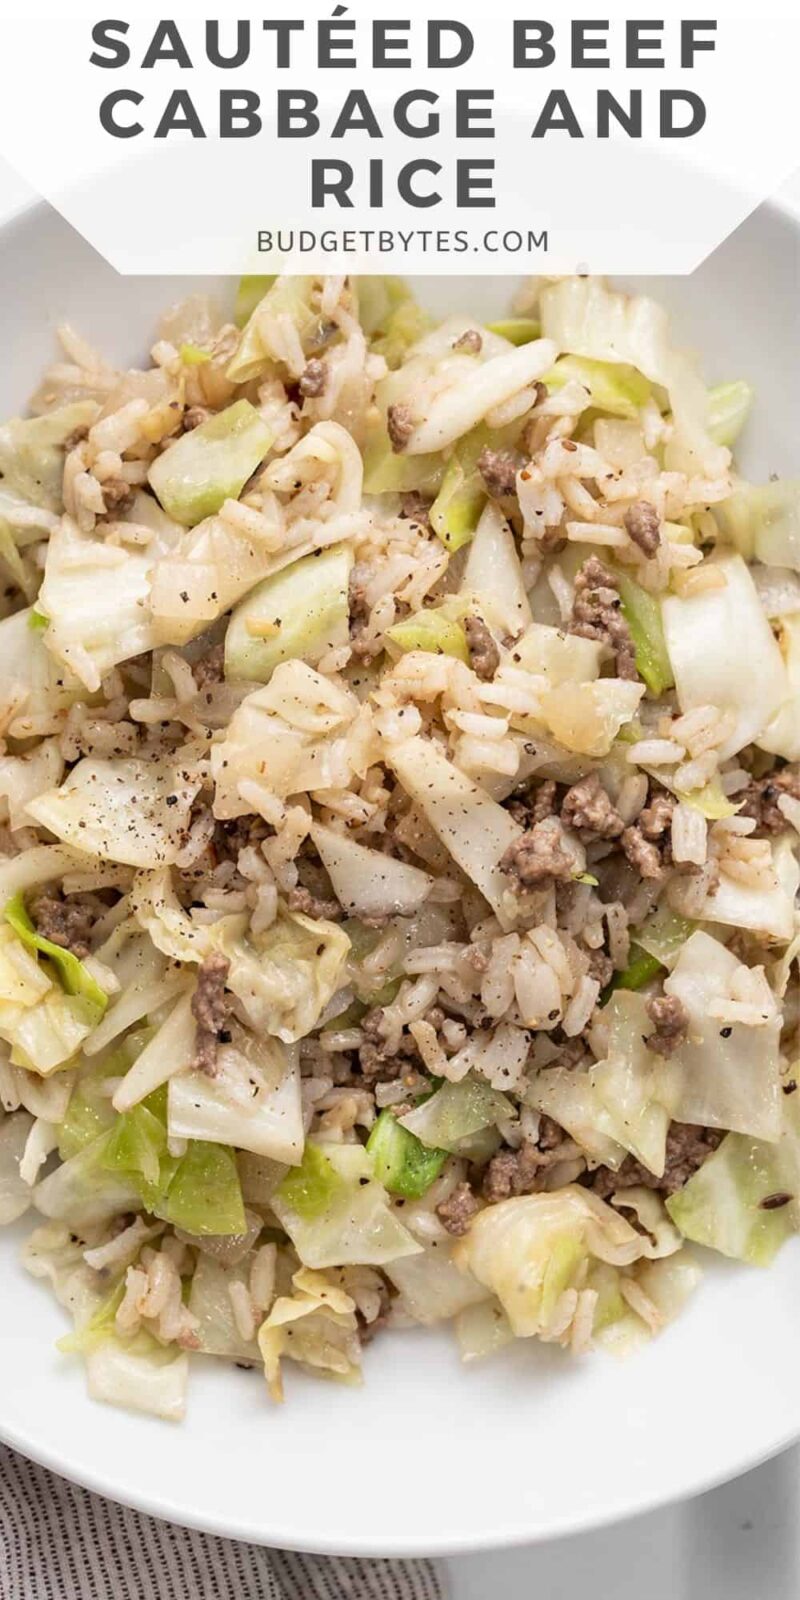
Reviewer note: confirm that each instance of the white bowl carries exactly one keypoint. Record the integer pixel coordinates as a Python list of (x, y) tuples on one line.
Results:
[(428, 1457)]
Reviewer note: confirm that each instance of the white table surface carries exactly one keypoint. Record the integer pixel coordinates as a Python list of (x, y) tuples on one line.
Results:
[(741, 1542)]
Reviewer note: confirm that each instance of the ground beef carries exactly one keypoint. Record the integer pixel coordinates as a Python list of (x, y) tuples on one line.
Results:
[(118, 496), (210, 1007), (596, 614), (671, 1020), (357, 592), (457, 1211), (687, 1149), (588, 808), (471, 341), (377, 1061), (643, 524), (538, 857), (400, 425), (210, 669), (67, 923), (314, 379), (239, 833), (311, 905), (484, 656), (656, 818), (499, 472), (642, 854), (415, 507), (762, 795), (513, 1172), (193, 416), (535, 805), (601, 968)]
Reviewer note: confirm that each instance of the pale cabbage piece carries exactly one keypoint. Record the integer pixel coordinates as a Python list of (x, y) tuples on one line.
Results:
[(211, 567), (44, 1026), (531, 1252), (722, 1205), (482, 1329), (54, 1253), (782, 735), (493, 575), (15, 1193), (586, 717), (300, 732), (289, 300), (666, 1284), (299, 613), (171, 1050), (146, 982), (559, 657), (724, 654), (201, 469), (316, 1327), (210, 1303), (768, 910), (133, 811), (661, 1238), (449, 1119), (42, 863), (763, 521), (572, 1100), (285, 976), (140, 1375), (585, 318), (32, 451), (356, 1224), (24, 777), (728, 1072), (30, 679), (82, 1194), (432, 1288), (369, 883), (174, 931), (253, 1101), (96, 597), (471, 825)]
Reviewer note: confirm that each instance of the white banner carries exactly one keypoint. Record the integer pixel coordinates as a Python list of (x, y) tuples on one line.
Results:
[(602, 135)]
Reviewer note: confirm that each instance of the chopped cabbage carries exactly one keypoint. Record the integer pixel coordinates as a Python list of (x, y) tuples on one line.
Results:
[(249, 294), (616, 389), (722, 1206), (782, 735), (369, 883), (83, 1193), (723, 653), (15, 1193), (473, 827), (432, 1288), (531, 1251), (729, 406), (211, 464), (253, 1101), (73, 975), (96, 597), (301, 613), (285, 976), (763, 521), (462, 405), (264, 341), (587, 717), (642, 612), (32, 679), (769, 910), (336, 1214), (728, 1072), (210, 1303), (493, 575), (400, 1161), (517, 330), (132, 811), (560, 657), (140, 1375), (450, 1118), (435, 629), (23, 777), (316, 1327), (32, 452), (170, 1050)]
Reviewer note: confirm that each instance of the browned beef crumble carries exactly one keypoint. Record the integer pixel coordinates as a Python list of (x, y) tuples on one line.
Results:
[(400, 425), (534, 804), (537, 857), (457, 1211), (314, 379), (118, 495), (498, 468), (656, 817), (210, 1008), (596, 614), (312, 905), (760, 798), (470, 342), (210, 669), (484, 656), (377, 1061), (588, 808), (416, 508), (687, 1149), (642, 854), (643, 524), (67, 923), (601, 968), (523, 1171), (671, 1020)]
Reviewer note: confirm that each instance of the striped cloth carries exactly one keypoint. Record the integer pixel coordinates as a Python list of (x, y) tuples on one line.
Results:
[(58, 1542)]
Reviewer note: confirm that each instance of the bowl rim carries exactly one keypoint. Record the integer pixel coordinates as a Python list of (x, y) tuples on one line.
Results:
[(516, 1534)]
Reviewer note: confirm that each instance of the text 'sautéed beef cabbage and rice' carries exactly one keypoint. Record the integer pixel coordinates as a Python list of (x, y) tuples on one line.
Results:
[(401, 797)]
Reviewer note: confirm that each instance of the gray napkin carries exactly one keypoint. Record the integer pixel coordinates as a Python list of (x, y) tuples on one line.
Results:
[(58, 1542)]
